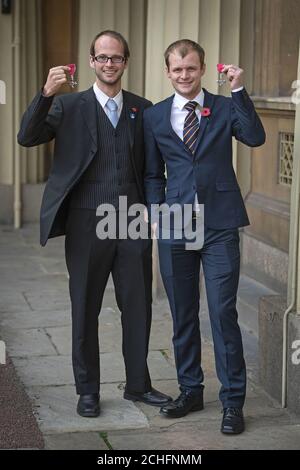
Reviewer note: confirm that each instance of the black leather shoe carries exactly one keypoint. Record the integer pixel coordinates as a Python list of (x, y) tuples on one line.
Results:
[(233, 421), (186, 402), (88, 405), (153, 398)]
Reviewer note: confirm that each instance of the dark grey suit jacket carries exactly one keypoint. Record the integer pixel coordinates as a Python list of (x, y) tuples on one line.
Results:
[(72, 120)]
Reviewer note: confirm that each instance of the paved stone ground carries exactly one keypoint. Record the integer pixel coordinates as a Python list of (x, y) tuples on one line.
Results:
[(35, 325)]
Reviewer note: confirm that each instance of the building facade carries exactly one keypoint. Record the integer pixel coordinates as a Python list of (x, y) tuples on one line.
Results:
[(262, 36)]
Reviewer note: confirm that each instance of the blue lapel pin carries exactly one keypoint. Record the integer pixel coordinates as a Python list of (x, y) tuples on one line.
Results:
[(133, 112)]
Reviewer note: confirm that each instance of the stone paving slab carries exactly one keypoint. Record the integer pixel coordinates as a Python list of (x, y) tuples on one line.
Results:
[(34, 283), (109, 299), (263, 408), (161, 335), (208, 361), (30, 342), (16, 252), (13, 301), (110, 315), (35, 316), (61, 338), (75, 440), (48, 299), (258, 408), (112, 367), (45, 370), (251, 291), (56, 410), (212, 407), (161, 310), (26, 269), (57, 370), (53, 266), (35, 319), (53, 249), (184, 436), (110, 337)]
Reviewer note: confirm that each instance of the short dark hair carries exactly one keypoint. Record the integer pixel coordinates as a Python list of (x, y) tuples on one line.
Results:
[(115, 35), (184, 46)]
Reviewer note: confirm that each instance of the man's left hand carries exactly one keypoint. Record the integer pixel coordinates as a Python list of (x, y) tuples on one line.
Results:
[(234, 75)]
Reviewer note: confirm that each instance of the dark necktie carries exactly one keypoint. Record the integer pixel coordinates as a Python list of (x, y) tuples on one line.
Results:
[(191, 126)]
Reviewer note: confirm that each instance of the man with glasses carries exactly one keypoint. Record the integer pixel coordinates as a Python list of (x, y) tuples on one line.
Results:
[(98, 157)]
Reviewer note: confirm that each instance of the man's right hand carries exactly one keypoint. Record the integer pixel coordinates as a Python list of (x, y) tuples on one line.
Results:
[(56, 78)]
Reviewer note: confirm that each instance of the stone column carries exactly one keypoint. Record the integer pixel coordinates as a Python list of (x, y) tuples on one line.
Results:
[(31, 81), (20, 86), (6, 110), (124, 16), (167, 21), (209, 38), (229, 48), (294, 245), (293, 340)]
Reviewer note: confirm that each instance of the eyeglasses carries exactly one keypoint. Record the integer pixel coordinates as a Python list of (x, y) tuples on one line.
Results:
[(115, 59)]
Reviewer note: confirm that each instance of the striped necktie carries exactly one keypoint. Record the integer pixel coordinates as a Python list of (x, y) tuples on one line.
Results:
[(191, 126)]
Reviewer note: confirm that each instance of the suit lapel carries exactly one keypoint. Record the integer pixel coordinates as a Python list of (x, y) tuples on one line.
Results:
[(88, 108), (130, 109), (130, 117), (89, 112), (208, 103), (168, 124)]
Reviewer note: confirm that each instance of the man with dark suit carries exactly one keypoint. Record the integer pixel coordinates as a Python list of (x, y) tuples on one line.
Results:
[(190, 134), (98, 156)]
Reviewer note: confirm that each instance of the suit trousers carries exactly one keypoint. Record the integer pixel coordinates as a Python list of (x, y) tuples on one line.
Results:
[(90, 261), (180, 269)]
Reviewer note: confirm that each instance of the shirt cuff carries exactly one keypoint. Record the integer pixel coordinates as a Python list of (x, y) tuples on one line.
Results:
[(237, 89)]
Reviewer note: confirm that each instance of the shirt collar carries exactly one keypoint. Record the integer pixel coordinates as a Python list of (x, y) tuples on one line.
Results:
[(180, 101), (103, 98)]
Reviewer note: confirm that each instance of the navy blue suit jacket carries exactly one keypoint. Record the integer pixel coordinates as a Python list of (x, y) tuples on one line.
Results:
[(209, 171)]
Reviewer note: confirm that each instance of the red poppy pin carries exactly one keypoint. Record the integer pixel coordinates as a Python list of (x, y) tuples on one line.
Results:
[(133, 112), (205, 112)]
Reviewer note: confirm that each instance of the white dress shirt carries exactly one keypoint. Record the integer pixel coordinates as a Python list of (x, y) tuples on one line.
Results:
[(102, 98), (179, 113)]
